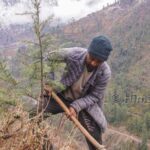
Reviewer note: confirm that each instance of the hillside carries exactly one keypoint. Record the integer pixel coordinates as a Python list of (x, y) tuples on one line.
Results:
[(127, 104)]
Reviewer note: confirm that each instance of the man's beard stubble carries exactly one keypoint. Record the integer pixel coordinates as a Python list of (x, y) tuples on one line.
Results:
[(90, 68)]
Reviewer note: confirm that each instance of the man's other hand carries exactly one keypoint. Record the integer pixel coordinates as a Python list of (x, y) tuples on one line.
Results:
[(47, 90), (72, 112)]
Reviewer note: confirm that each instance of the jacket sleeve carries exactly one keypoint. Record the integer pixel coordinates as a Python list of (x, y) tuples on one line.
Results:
[(95, 95), (61, 58), (57, 55), (62, 54)]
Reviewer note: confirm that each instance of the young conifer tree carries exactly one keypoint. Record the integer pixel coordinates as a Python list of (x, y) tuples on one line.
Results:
[(45, 45), (41, 38)]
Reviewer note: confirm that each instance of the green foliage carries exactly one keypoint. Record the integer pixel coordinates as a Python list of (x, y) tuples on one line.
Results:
[(143, 145), (7, 86), (147, 123), (116, 113), (134, 125), (28, 66), (147, 120), (5, 74)]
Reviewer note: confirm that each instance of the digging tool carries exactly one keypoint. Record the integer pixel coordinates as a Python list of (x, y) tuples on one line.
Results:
[(77, 123)]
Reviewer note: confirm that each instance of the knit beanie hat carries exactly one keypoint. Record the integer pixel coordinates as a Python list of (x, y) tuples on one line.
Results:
[(100, 48)]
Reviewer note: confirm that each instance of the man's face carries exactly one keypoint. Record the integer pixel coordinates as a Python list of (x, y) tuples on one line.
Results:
[(92, 63)]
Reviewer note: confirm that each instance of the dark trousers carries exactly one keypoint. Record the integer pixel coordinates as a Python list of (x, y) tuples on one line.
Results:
[(85, 119)]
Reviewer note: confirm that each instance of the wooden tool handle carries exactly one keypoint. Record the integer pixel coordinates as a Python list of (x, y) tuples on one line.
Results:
[(77, 123)]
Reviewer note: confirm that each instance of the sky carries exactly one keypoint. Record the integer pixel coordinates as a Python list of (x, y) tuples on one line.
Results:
[(65, 10)]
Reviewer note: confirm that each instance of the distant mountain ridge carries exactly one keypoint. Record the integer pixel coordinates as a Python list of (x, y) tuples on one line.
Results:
[(13, 33)]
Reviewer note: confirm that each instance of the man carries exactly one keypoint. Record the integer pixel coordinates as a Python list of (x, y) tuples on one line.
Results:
[(86, 79)]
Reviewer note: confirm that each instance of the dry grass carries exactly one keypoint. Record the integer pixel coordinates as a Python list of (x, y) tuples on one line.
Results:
[(19, 132)]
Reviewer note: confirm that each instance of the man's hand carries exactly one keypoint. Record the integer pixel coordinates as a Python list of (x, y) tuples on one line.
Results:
[(72, 112), (47, 90)]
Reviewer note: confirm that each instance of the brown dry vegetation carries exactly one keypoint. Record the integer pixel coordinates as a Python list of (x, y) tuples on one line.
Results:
[(19, 132)]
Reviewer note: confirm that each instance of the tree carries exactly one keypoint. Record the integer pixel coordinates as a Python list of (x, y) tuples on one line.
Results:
[(135, 125), (44, 44), (147, 120), (7, 85), (143, 145)]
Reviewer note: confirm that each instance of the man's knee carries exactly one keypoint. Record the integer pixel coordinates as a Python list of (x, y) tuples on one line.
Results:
[(51, 106)]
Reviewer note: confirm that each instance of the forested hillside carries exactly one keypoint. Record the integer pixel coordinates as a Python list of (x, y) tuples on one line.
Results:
[(127, 102)]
